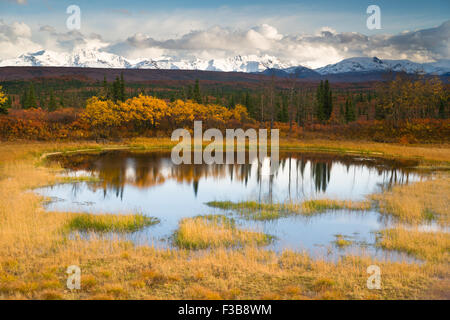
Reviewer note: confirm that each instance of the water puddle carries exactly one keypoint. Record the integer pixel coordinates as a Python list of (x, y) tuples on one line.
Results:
[(149, 183)]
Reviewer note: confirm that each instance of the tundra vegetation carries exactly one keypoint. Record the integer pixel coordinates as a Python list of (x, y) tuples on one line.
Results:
[(404, 118), (36, 249), (405, 109), (268, 211)]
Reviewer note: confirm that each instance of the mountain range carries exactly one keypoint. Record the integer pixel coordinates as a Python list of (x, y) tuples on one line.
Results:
[(268, 65)]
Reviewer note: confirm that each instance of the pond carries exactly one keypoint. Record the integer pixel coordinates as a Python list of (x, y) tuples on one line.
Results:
[(149, 183)]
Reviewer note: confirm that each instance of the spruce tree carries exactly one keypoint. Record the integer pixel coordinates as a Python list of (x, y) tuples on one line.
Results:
[(249, 104), (32, 102), (197, 96), (320, 101), (116, 90), (105, 89), (29, 98), (24, 99), (349, 110), (52, 104), (327, 101), (122, 88)]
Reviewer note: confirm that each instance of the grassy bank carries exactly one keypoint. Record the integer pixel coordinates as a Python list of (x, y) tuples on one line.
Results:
[(418, 202), (430, 246), (35, 251), (269, 211), (110, 222), (215, 231)]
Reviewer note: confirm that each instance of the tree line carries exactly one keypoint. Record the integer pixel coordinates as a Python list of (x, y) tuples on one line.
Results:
[(400, 99)]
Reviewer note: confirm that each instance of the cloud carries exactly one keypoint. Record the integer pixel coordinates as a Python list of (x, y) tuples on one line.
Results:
[(69, 41), (314, 50), (15, 38)]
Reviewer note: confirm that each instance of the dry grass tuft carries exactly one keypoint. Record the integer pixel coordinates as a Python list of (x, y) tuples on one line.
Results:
[(418, 202), (431, 246), (215, 231), (317, 206), (110, 222)]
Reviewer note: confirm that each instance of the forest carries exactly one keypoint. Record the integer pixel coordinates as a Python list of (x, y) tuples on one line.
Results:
[(404, 108)]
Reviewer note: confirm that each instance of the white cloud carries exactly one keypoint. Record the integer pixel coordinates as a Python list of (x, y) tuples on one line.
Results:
[(316, 49), (15, 38)]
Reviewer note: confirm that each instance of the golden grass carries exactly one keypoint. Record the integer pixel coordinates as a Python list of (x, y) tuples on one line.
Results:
[(418, 202), (35, 252), (431, 246), (342, 242), (257, 210), (321, 205), (215, 231), (270, 211), (110, 222)]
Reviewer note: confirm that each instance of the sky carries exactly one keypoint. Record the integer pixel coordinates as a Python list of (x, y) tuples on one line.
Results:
[(312, 33)]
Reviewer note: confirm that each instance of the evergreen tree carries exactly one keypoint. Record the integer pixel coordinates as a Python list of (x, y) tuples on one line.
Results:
[(320, 102), (197, 96), (62, 101), (232, 102), (324, 101), (122, 88), (442, 112), (105, 89), (29, 98), (24, 100), (116, 90), (327, 101), (349, 110), (283, 114), (52, 104), (32, 101), (189, 93), (249, 104)]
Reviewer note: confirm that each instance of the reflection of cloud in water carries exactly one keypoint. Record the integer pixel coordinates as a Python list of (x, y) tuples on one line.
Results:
[(117, 169), (149, 183)]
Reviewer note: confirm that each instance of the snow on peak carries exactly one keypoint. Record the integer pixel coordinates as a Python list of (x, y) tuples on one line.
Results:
[(363, 64), (94, 57)]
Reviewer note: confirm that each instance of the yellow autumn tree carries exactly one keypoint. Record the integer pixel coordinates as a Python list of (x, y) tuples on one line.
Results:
[(3, 99), (102, 116), (2, 96), (144, 112)]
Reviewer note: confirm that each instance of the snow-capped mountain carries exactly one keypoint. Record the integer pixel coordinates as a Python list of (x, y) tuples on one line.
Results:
[(79, 58), (99, 59), (94, 58), (363, 64)]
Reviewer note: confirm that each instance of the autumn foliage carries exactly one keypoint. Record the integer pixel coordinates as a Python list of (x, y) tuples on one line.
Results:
[(401, 110), (142, 115)]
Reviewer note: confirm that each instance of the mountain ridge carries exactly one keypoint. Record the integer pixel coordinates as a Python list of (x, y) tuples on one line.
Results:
[(267, 65)]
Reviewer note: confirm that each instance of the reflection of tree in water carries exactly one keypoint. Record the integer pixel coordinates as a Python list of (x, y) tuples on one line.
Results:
[(146, 170), (320, 172)]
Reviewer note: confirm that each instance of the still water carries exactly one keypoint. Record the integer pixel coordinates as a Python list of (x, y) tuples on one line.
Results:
[(149, 183)]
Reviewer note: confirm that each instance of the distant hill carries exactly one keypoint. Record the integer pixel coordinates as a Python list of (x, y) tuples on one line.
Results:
[(144, 75), (266, 65)]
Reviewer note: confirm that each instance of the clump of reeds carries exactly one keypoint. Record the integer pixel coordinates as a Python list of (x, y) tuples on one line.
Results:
[(110, 222), (215, 231)]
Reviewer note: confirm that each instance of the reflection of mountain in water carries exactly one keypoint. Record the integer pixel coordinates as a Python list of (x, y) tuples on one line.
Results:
[(145, 170)]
